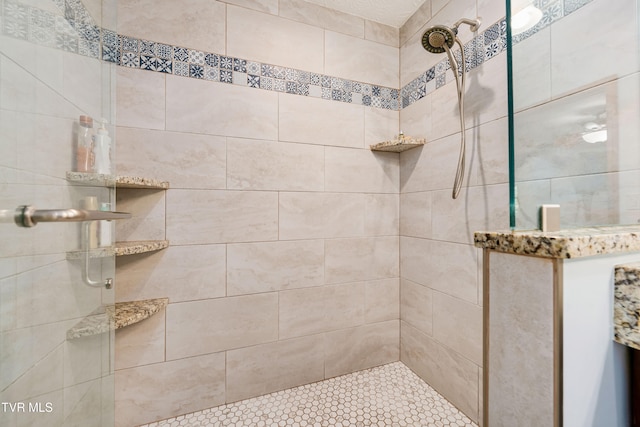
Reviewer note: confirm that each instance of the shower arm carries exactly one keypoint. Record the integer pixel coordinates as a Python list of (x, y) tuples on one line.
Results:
[(473, 23)]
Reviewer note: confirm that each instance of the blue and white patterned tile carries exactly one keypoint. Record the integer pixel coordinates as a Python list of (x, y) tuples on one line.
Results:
[(90, 49), (164, 51), (441, 67), (279, 72), (15, 28), (376, 102), (148, 62), (253, 80), (492, 33), (239, 65), (180, 54), (303, 89), (181, 68), (279, 85), (66, 42), (315, 91), (211, 73), (493, 49), (356, 87), (304, 77), (164, 66), (253, 68), (430, 74), (347, 85), (571, 6), (326, 93), (130, 59), (42, 36), (129, 44), (110, 54), (41, 18), (326, 81), (366, 89), (110, 38), (346, 97), (337, 83), (366, 100), (211, 59), (375, 90), (291, 74), (147, 48), (266, 83), (315, 79), (239, 78), (356, 98), (551, 13), (196, 57), (267, 70), (226, 76), (196, 71), (441, 80), (336, 94), (291, 87)]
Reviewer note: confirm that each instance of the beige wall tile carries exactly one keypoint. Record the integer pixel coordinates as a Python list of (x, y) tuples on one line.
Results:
[(319, 121), (319, 16), (269, 6), (415, 214), (140, 98), (141, 343), (486, 97), (492, 159), (262, 369), (282, 42), (458, 325), (416, 306), (361, 171), (450, 374), (363, 347), (82, 82), (301, 216), (343, 214), (269, 165), (415, 22), (476, 208), (349, 260), (445, 120), (273, 266), (232, 323), (381, 300), (320, 309), (380, 125), (163, 390), (521, 379), (221, 216), (196, 24), (381, 33), (148, 215), (381, 214), (447, 267), (377, 63), (180, 273), (200, 161), (238, 111), (415, 120)]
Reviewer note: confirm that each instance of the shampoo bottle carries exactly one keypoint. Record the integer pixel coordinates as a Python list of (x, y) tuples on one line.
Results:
[(90, 231), (102, 149), (106, 239)]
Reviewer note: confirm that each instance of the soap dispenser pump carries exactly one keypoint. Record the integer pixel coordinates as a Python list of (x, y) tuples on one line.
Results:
[(102, 146)]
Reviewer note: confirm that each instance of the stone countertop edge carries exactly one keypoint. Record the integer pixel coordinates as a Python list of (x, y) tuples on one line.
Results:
[(108, 318), (570, 243), (626, 305)]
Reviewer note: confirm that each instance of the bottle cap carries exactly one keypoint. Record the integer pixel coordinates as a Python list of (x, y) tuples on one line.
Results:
[(86, 120)]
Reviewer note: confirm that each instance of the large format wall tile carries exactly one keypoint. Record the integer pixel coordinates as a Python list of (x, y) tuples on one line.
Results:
[(416, 306), (320, 309), (141, 343), (269, 165), (262, 369), (377, 63), (220, 109), (319, 16), (180, 273), (148, 215), (274, 266), (163, 390), (202, 216), (363, 347), (361, 171), (199, 163), (231, 323), (197, 24), (316, 121), (349, 260), (140, 99), (274, 40), (382, 300), (450, 374), (458, 325)]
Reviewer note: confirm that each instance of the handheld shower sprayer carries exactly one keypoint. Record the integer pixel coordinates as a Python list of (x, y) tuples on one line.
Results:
[(439, 39)]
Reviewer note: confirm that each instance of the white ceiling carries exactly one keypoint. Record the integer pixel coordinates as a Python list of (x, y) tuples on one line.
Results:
[(390, 12)]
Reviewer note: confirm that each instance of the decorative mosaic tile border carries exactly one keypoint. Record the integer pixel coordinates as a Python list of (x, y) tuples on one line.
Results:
[(75, 31)]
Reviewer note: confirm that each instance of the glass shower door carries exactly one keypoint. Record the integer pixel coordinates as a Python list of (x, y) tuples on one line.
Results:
[(56, 339)]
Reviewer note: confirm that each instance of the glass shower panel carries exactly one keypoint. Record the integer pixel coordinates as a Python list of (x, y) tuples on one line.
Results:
[(575, 98), (56, 339)]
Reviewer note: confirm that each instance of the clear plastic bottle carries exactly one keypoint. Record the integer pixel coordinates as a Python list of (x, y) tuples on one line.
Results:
[(84, 145), (102, 149)]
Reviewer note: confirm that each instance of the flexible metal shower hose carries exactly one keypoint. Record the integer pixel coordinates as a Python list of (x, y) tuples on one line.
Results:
[(457, 183)]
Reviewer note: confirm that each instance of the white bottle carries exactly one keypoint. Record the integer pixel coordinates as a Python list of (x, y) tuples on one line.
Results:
[(89, 233), (102, 149), (106, 239)]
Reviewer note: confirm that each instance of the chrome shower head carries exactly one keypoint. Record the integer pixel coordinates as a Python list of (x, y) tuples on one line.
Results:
[(437, 36)]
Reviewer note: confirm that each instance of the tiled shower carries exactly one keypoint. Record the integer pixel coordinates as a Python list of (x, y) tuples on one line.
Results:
[(296, 253)]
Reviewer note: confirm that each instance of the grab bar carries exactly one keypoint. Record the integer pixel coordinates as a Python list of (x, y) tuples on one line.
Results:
[(28, 216)]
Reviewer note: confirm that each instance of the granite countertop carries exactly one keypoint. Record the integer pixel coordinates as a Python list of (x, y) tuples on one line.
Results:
[(572, 243), (626, 305), (110, 317)]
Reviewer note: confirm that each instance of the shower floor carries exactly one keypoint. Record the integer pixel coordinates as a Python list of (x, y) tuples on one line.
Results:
[(389, 395)]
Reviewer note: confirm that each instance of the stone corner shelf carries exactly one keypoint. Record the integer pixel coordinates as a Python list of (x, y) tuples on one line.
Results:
[(626, 305), (570, 243), (113, 317), (139, 247), (399, 144), (119, 181)]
